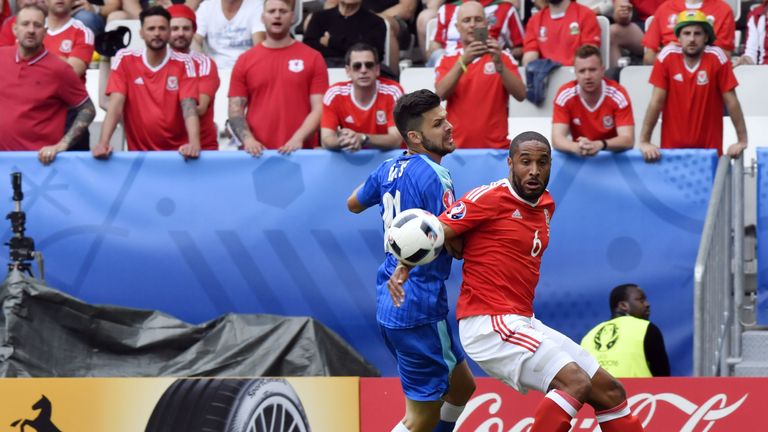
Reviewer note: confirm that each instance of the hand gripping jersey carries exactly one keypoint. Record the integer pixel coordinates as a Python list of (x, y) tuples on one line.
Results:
[(410, 181), (504, 238)]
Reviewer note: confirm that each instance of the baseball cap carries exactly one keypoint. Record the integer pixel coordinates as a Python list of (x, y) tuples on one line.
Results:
[(689, 17), (183, 11)]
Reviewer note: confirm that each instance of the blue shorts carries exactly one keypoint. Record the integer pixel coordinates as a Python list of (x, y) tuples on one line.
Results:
[(426, 356)]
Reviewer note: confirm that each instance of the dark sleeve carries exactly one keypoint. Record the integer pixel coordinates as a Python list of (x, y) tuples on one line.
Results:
[(655, 353), (317, 27)]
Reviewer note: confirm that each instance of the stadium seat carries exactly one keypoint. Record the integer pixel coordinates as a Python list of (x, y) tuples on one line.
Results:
[(751, 89), (134, 26), (635, 80), (337, 75), (605, 39), (525, 109), (417, 78)]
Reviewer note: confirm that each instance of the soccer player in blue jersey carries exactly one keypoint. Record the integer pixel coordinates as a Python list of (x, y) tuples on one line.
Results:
[(433, 369)]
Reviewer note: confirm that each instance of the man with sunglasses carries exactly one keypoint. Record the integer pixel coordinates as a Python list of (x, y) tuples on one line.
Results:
[(357, 114)]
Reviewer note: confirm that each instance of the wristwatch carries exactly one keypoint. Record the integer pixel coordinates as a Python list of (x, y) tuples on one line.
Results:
[(366, 141)]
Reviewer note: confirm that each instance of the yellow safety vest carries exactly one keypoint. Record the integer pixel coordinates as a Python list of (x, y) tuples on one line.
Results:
[(618, 346)]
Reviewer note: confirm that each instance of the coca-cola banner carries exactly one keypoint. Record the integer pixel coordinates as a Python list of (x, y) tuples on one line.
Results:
[(662, 404)]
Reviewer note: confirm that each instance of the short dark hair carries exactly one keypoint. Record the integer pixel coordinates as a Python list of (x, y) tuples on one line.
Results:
[(154, 11), (525, 137), (587, 51), (409, 110), (358, 47), (620, 294)]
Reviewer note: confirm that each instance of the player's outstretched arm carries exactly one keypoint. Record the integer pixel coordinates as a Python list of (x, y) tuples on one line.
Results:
[(353, 204), (453, 243)]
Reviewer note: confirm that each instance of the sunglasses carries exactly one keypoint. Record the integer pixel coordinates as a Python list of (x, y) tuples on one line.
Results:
[(359, 65)]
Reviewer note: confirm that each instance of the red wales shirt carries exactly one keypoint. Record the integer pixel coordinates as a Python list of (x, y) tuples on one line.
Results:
[(598, 122), (504, 238), (693, 111), (277, 82), (503, 24), (207, 82), (34, 97), (662, 29), (478, 105), (341, 110), (152, 113), (73, 39), (557, 37)]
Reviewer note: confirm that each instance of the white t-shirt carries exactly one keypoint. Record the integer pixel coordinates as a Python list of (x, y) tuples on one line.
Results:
[(226, 39)]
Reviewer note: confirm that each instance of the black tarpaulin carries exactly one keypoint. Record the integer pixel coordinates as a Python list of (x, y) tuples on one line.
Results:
[(47, 333)]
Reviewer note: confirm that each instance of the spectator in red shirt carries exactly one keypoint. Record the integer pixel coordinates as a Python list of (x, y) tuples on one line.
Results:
[(7, 38), (281, 82), (594, 111), (358, 114), (757, 36), (691, 83), (558, 31), (183, 27), (476, 82), (36, 93), (155, 91), (661, 32)]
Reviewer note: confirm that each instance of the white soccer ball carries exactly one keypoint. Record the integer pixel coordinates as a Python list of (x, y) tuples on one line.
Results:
[(415, 237)]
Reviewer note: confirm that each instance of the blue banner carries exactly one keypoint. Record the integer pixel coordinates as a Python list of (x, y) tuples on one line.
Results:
[(231, 233), (762, 236)]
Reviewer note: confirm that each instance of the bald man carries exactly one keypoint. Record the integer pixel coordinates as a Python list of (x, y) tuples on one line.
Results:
[(476, 82)]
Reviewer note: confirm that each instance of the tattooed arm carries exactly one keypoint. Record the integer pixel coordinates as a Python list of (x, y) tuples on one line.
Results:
[(240, 127), (85, 114), (192, 123)]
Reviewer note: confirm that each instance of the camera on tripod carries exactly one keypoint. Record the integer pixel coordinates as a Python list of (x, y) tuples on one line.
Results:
[(22, 248)]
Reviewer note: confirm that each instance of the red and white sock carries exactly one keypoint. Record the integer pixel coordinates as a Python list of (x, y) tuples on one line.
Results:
[(618, 419), (555, 412)]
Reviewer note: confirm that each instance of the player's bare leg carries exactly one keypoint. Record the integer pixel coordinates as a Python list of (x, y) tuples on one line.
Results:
[(420, 416), (610, 402), (460, 389), (567, 392)]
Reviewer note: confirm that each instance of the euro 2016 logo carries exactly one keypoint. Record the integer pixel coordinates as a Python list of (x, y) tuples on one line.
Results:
[(606, 337)]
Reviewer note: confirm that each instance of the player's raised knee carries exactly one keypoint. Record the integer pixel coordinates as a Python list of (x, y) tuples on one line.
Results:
[(573, 380)]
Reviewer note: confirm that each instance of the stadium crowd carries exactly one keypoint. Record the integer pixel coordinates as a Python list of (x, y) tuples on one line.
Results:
[(279, 94)]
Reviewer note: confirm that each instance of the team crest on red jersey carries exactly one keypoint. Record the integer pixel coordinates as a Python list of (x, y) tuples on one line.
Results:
[(172, 84), (489, 68), (66, 46), (458, 211), (448, 198), (672, 20), (573, 28), (701, 78), (608, 122), (542, 33), (381, 117), (296, 65)]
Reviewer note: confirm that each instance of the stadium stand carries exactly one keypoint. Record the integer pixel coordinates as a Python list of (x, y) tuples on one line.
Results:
[(605, 39)]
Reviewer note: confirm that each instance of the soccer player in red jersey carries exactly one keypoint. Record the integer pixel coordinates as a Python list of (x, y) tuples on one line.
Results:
[(558, 30), (476, 82), (281, 82), (357, 114), (183, 26), (157, 91), (662, 31), (691, 84), (594, 111), (505, 230)]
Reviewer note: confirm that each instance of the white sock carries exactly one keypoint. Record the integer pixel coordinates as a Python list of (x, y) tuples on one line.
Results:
[(450, 412), (400, 427)]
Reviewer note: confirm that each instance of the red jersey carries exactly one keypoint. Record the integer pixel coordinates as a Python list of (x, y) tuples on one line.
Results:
[(7, 38), (693, 110), (662, 29), (207, 83), (503, 24), (152, 112), (34, 97), (504, 238), (558, 37), (6, 12), (73, 39), (341, 110), (645, 8), (479, 104), (277, 82), (612, 110)]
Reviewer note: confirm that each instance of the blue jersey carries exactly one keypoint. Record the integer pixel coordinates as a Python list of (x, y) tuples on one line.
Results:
[(410, 181)]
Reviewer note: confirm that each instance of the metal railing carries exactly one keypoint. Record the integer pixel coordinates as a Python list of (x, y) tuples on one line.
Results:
[(719, 274)]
